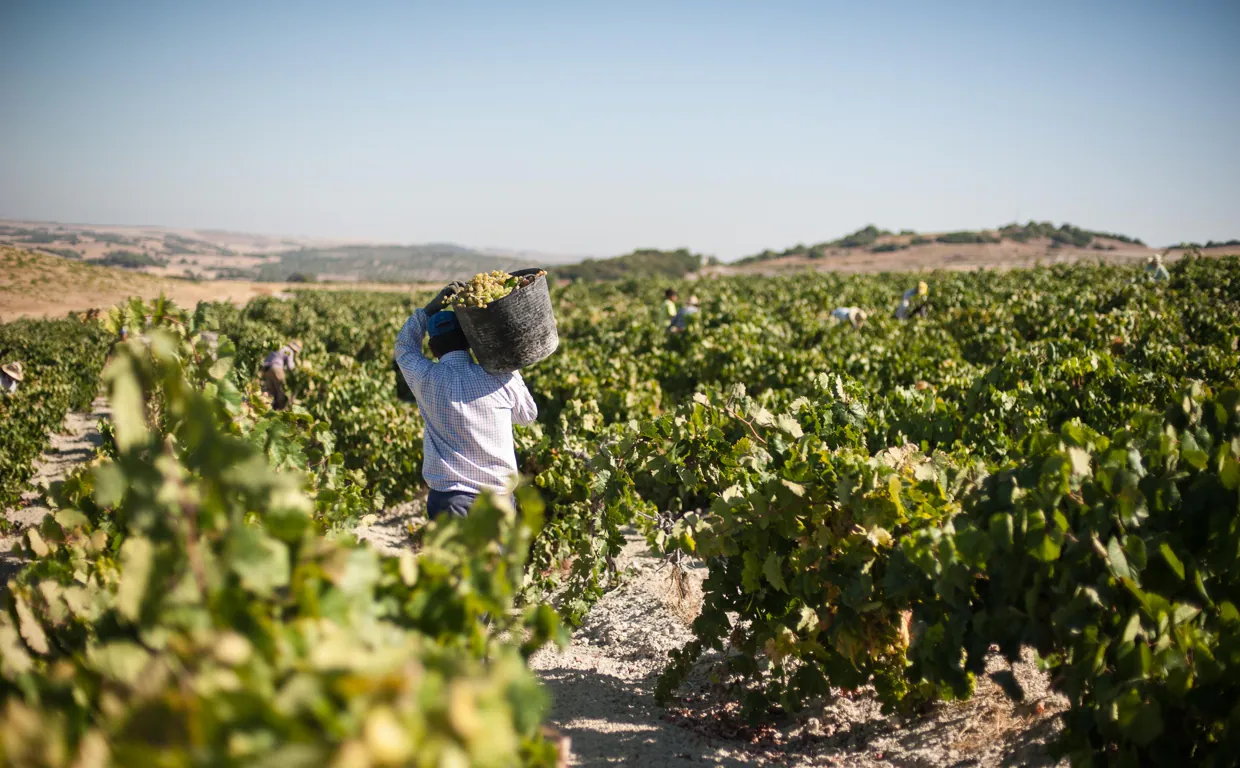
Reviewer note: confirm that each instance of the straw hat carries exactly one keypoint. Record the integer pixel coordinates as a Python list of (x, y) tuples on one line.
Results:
[(295, 345), (693, 301), (14, 370), (922, 288)]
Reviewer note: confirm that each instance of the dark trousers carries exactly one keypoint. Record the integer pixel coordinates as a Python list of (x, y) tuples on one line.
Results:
[(455, 503)]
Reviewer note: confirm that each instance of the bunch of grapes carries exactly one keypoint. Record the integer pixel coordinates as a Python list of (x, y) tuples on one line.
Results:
[(486, 287)]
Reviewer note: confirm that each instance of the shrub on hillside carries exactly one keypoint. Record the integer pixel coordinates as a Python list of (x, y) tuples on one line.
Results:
[(640, 263), (966, 237), (130, 260)]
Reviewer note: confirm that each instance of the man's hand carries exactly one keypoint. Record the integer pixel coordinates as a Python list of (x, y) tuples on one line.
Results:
[(437, 303)]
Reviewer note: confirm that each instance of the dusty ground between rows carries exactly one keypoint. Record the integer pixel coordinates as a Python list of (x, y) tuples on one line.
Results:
[(603, 690), (602, 683), (76, 442)]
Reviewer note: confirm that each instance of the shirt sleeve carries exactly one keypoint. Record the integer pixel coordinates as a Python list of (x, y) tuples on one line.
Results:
[(290, 360), (524, 410), (413, 364)]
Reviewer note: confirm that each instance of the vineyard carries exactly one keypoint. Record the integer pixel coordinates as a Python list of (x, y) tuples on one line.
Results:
[(1048, 460)]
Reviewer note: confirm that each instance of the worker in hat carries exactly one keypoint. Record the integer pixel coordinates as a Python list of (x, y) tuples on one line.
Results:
[(906, 309), (274, 367), (855, 315), (669, 306), (467, 444), (1154, 269), (10, 376)]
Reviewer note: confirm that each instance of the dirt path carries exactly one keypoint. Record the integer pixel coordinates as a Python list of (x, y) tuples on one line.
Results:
[(75, 443), (603, 683)]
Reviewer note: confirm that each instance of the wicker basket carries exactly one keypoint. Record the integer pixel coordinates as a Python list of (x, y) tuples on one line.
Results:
[(515, 331)]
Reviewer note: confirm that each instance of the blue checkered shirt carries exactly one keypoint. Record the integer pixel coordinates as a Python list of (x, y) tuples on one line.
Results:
[(469, 413)]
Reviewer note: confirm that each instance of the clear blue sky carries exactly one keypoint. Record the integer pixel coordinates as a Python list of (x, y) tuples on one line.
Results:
[(597, 127)]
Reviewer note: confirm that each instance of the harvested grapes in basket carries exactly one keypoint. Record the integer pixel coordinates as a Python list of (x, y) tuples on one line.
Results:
[(486, 287)]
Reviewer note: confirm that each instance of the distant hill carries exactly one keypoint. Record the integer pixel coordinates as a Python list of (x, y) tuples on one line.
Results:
[(877, 240), (639, 263), (433, 263), (36, 284)]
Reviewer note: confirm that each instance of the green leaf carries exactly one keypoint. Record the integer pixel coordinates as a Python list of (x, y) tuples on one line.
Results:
[(260, 562), (220, 368), (128, 407), (1168, 555), (751, 571), (1080, 461), (122, 660), (1002, 530), (1139, 720), (1228, 613), (771, 569), (1119, 563), (1184, 613), (110, 485), (37, 544), (71, 518), (29, 626), (1229, 474), (789, 425), (1195, 457), (1131, 628), (137, 558)]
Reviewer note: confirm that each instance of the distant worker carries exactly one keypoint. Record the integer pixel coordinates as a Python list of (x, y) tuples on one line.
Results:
[(681, 321), (669, 305), (10, 376), (855, 315), (467, 443), (906, 309), (1155, 270), (274, 367)]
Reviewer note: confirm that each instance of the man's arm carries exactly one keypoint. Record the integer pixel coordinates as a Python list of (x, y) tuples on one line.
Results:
[(524, 410), (413, 364)]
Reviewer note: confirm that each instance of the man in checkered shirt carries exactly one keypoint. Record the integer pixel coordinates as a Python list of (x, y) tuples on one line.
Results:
[(469, 413)]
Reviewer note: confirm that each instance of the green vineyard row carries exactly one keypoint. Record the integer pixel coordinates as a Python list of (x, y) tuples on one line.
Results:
[(61, 361)]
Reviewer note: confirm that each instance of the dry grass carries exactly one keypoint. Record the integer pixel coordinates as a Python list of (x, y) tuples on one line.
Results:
[(35, 284)]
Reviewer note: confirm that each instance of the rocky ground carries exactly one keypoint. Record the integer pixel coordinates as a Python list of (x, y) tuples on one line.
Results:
[(602, 683)]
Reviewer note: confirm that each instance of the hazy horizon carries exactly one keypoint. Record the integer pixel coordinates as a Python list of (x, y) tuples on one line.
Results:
[(591, 131)]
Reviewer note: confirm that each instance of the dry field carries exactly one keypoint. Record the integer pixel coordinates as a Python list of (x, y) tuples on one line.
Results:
[(36, 284)]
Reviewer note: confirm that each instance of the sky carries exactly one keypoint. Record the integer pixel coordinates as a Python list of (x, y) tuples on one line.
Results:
[(593, 128)]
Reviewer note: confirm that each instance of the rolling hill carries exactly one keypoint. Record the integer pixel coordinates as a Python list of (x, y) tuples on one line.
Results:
[(871, 249), (639, 263), (434, 263)]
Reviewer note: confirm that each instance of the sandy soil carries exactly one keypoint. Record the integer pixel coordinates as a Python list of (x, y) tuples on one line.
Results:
[(74, 444)]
